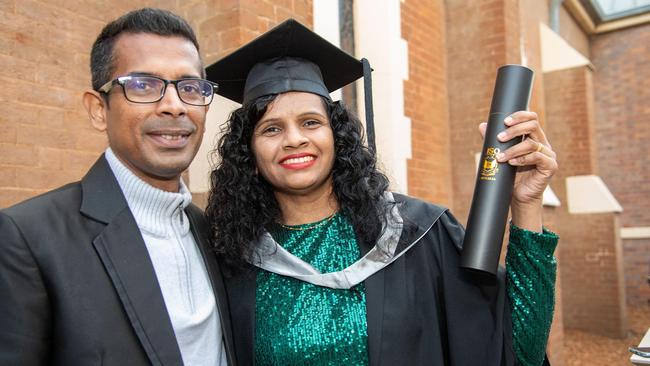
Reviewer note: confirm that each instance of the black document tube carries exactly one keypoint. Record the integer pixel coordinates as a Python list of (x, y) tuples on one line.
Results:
[(495, 181)]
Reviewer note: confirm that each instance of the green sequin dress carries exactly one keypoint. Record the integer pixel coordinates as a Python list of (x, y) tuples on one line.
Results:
[(298, 323)]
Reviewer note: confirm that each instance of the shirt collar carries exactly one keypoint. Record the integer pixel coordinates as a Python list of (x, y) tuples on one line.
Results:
[(155, 211)]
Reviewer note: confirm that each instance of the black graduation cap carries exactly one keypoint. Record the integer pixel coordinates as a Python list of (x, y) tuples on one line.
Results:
[(290, 57)]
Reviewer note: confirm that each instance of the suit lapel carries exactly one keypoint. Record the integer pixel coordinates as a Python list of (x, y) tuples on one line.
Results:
[(124, 255), (199, 228)]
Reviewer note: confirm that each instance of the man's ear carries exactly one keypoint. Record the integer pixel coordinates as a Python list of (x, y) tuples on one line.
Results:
[(96, 107)]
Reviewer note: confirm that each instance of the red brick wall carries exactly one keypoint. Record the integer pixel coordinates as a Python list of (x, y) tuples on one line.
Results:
[(45, 137), (622, 89), (636, 258), (591, 262), (425, 101), (590, 249), (569, 106), (222, 26)]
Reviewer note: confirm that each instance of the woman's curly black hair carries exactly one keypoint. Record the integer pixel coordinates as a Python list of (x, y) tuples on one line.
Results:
[(241, 203)]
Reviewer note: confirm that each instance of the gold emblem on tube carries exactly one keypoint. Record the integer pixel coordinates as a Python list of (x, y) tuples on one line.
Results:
[(490, 166)]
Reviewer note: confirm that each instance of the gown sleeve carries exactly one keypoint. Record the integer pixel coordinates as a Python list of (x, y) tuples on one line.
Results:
[(477, 327), (530, 286)]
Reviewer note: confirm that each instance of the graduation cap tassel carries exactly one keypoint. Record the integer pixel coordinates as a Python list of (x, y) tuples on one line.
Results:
[(370, 116)]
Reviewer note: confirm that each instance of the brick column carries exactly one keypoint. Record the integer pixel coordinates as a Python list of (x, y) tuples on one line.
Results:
[(425, 101), (480, 38), (224, 25)]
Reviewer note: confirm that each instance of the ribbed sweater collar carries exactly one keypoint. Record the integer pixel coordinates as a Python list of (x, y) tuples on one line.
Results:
[(155, 211)]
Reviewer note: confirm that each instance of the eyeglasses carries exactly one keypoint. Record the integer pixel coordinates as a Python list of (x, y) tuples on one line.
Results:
[(151, 89)]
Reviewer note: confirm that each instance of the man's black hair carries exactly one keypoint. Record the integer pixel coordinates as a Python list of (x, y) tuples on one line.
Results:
[(146, 20)]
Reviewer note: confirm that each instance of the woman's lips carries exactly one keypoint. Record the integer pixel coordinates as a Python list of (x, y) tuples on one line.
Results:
[(298, 161)]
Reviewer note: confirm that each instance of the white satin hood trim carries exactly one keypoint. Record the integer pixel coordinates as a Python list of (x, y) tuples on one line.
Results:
[(274, 258)]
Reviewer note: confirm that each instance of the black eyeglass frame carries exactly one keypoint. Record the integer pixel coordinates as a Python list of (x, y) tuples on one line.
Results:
[(106, 88)]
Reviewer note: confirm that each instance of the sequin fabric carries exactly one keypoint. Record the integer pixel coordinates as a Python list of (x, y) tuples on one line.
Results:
[(298, 323), (531, 270)]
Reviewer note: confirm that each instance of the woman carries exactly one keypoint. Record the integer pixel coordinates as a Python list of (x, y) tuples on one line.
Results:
[(327, 266)]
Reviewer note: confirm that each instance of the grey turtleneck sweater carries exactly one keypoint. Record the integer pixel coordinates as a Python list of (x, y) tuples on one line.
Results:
[(178, 264)]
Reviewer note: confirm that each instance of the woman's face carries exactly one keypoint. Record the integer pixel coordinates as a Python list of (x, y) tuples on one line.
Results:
[(293, 144)]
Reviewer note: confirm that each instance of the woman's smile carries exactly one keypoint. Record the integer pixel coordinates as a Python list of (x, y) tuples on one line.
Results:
[(298, 161)]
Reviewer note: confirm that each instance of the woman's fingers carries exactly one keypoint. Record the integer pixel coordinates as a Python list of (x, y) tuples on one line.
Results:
[(527, 146), (531, 129), (541, 161)]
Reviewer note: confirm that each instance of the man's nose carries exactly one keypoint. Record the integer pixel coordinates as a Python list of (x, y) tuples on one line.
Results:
[(171, 103)]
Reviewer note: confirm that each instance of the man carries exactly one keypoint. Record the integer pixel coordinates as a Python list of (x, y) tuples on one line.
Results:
[(115, 269)]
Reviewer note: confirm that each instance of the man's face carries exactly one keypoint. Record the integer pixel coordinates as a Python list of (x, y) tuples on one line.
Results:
[(156, 141)]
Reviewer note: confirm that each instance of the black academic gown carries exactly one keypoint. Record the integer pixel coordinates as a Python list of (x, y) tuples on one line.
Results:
[(422, 309), (77, 286)]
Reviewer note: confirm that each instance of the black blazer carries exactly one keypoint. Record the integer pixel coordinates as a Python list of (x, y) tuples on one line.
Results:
[(77, 286)]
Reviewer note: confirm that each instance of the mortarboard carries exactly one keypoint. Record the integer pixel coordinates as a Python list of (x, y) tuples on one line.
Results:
[(290, 57)]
